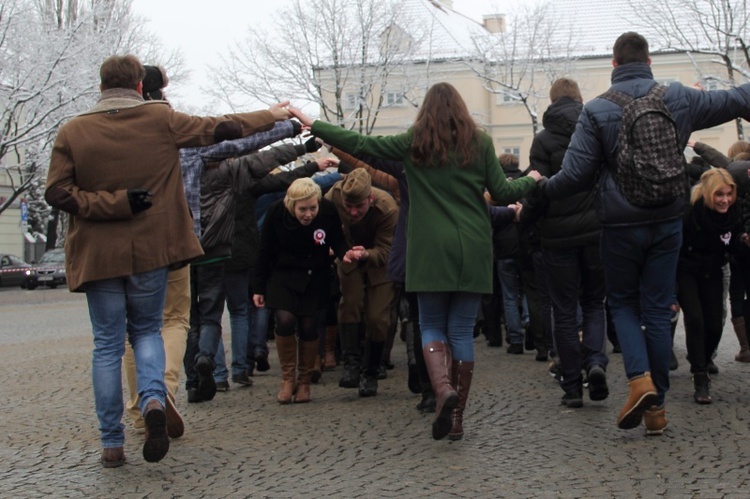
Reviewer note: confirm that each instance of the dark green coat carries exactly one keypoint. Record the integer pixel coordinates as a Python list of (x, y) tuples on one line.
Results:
[(449, 238)]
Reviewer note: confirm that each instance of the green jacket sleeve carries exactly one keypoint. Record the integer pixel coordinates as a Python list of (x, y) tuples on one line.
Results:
[(502, 190), (394, 147)]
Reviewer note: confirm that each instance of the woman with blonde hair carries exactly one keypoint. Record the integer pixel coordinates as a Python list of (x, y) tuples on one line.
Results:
[(712, 229), (449, 162), (293, 278)]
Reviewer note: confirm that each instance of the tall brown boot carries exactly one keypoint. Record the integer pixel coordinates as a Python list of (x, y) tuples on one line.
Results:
[(308, 352), (286, 347), (329, 361), (738, 323), (437, 358), (462, 374)]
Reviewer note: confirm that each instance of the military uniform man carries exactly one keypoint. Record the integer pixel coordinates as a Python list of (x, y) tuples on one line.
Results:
[(368, 216)]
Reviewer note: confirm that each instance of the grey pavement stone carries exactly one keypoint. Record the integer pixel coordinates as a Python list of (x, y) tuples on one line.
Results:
[(519, 442)]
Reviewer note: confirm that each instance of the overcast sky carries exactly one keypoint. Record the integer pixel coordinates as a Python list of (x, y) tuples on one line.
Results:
[(203, 28)]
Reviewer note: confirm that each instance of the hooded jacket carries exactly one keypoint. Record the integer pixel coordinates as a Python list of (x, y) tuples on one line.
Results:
[(591, 156), (569, 222)]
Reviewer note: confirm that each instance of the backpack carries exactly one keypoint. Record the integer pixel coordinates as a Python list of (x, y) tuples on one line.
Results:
[(650, 166)]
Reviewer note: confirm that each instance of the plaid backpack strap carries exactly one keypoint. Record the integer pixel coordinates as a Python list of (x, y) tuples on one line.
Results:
[(619, 98)]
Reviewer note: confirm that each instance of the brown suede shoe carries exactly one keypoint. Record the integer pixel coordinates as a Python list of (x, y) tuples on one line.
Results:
[(642, 396), (113, 457), (656, 420), (156, 445), (175, 424)]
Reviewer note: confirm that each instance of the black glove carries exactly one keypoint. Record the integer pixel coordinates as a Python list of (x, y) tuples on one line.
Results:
[(297, 127), (344, 167), (139, 200), (312, 145)]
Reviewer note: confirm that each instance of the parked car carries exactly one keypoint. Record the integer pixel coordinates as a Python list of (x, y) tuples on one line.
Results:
[(50, 269), (16, 272)]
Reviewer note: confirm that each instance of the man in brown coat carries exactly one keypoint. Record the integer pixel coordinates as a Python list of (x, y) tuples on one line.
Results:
[(115, 169), (368, 216)]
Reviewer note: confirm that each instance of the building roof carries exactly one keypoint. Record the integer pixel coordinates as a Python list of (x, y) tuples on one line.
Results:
[(439, 31)]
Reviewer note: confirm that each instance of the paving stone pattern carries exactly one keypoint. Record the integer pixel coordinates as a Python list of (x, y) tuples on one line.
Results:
[(519, 442)]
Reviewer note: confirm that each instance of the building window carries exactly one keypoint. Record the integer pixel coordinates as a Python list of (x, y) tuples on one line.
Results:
[(709, 84), (351, 101), (515, 151), (394, 99), (508, 98)]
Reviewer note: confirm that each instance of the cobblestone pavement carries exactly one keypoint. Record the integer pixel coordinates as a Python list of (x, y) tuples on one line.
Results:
[(519, 442)]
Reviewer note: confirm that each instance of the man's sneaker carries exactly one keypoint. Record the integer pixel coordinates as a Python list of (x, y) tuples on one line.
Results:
[(222, 386), (711, 367), (240, 379), (598, 389), (656, 420), (572, 400), (206, 384)]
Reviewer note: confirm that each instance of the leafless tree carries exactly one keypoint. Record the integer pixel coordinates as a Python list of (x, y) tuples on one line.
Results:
[(51, 51), (532, 48), (347, 56), (717, 28)]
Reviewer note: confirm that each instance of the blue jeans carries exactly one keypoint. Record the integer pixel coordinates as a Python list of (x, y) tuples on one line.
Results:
[(221, 373), (510, 282), (206, 308), (449, 317), (259, 318), (126, 305), (575, 277), (640, 265), (237, 289)]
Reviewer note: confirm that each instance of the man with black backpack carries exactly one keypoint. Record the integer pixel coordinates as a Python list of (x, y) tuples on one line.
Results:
[(627, 143)]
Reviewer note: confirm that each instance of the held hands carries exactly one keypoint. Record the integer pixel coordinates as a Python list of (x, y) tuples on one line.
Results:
[(517, 207), (355, 254), (280, 111), (259, 301), (535, 175), (139, 199), (324, 163), (301, 116)]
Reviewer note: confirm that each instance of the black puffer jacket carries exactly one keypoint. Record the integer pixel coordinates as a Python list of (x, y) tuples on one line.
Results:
[(505, 237), (223, 183), (740, 171), (708, 238), (591, 155), (568, 222)]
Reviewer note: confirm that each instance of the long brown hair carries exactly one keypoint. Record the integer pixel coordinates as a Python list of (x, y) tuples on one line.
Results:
[(443, 127)]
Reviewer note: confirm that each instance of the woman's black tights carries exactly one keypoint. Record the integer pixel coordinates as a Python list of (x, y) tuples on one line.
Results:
[(287, 324)]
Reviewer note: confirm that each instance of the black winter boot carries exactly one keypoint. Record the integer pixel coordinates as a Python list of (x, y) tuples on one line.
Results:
[(350, 351)]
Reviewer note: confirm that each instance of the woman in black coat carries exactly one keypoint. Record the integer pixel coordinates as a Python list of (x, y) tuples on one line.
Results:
[(712, 229), (292, 277)]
